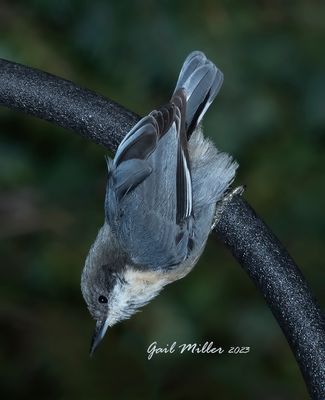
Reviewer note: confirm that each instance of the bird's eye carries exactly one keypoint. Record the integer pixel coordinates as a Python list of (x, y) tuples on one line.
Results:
[(102, 299)]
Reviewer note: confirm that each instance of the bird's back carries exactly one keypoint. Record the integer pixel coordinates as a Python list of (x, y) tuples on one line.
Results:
[(150, 199)]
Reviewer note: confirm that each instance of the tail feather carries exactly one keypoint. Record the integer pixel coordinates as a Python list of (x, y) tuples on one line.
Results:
[(201, 80)]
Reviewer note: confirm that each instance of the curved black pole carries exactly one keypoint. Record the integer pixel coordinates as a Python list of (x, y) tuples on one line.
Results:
[(252, 243), (283, 286), (60, 101)]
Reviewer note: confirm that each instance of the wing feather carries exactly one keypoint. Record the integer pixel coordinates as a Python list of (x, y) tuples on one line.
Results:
[(149, 195)]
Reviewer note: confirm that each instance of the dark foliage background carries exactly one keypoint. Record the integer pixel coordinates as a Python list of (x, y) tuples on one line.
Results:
[(270, 115)]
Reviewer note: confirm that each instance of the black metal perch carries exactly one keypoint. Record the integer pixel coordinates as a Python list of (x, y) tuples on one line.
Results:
[(251, 242)]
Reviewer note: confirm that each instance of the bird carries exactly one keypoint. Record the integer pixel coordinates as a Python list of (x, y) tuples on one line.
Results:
[(165, 188)]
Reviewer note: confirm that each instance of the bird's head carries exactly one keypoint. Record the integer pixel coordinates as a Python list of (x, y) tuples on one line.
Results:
[(112, 287)]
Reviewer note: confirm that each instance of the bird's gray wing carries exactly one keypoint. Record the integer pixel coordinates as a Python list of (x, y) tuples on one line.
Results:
[(130, 166), (149, 196)]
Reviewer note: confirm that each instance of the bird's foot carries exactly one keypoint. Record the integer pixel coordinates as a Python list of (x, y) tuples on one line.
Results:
[(220, 206)]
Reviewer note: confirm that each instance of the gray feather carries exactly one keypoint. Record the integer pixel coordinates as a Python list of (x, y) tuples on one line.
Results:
[(201, 81), (144, 219), (162, 189)]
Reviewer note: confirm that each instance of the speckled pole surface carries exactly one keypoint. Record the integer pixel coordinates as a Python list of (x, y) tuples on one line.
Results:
[(281, 283), (60, 101), (251, 242)]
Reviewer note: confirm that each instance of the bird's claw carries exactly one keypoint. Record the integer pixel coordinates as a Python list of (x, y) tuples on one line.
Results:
[(220, 206)]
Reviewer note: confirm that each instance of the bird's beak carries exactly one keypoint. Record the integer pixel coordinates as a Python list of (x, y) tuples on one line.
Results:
[(100, 330)]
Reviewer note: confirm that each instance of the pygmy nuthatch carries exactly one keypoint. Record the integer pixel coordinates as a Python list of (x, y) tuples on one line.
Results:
[(164, 186)]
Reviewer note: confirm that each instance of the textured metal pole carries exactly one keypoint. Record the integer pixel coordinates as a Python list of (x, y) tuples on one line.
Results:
[(252, 243), (281, 283), (60, 101)]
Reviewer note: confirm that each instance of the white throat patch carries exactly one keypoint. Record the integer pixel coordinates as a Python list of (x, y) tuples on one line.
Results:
[(139, 289)]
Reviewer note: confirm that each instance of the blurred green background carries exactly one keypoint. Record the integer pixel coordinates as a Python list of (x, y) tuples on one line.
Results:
[(270, 115)]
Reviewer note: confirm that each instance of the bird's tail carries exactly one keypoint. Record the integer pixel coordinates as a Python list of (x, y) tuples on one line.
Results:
[(201, 81)]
